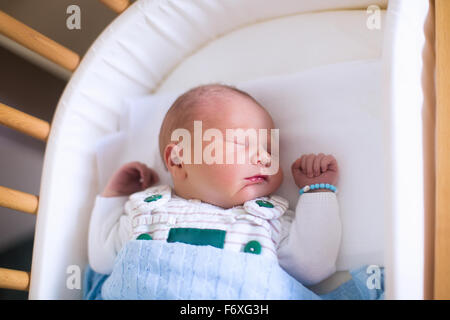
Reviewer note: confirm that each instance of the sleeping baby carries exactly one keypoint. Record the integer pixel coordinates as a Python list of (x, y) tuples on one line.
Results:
[(220, 231)]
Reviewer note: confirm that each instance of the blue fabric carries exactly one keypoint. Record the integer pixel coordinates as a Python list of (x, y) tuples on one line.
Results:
[(357, 288), (161, 270), (92, 284)]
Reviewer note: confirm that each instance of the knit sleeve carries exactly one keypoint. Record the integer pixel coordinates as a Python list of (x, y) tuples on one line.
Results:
[(109, 228), (309, 248)]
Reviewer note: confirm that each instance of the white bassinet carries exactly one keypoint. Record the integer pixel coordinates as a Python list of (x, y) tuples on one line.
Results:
[(163, 45)]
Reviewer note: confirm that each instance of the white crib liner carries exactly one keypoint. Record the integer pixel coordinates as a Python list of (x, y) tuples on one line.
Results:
[(133, 56), (409, 71)]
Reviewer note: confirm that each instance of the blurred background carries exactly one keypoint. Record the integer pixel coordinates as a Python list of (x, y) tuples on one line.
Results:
[(33, 85)]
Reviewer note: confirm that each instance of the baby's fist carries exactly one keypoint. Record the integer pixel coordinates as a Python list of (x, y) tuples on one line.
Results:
[(130, 178), (311, 169)]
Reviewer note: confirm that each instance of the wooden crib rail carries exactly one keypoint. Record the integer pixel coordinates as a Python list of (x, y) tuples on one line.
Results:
[(442, 219), (116, 5), (37, 42), (24, 122), (18, 200), (14, 279)]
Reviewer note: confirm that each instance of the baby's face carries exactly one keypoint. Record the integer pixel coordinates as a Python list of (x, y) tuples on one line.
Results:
[(227, 185)]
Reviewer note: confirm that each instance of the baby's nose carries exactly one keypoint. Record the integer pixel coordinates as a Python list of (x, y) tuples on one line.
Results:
[(261, 157)]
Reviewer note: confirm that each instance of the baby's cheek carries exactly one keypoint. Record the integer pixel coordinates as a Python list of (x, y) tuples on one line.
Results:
[(277, 179), (225, 178), (280, 174), (222, 175)]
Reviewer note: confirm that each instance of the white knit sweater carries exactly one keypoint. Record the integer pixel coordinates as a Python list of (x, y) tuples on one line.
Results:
[(306, 243)]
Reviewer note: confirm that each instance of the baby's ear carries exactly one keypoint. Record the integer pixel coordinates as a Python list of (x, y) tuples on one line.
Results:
[(172, 157), (174, 163)]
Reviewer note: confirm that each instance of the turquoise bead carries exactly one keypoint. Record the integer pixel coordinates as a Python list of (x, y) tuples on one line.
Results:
[(327, 186), (317, 186), (322, 186), (312, 187)]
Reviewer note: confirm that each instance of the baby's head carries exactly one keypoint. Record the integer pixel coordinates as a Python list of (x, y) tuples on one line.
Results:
[(205, 169)]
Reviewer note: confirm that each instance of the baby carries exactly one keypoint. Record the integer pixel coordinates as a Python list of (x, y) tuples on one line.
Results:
[(230, 206)]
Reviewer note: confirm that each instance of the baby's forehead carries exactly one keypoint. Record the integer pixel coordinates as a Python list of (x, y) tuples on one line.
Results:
[(229, 109), (222, 109)]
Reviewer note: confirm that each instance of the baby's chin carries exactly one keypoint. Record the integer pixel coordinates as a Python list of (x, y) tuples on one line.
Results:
[(253, 191), (247, 193)]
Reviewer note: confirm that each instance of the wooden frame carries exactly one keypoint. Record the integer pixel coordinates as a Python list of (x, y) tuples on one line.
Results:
[(24, 123), (37, 42), (14, 279), (18, 200), (442, 219)]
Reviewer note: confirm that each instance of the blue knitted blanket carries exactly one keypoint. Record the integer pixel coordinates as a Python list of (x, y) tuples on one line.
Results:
[(161, 270)]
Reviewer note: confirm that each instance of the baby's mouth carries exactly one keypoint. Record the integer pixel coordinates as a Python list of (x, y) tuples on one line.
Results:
[(257, 179)]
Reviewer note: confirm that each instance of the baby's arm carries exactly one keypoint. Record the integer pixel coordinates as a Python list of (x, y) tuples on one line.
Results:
[(309, 250), (108, 230), (110, 225), (309, 247)]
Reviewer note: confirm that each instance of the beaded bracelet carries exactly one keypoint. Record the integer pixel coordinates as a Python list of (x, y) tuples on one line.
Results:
[(318, 186)]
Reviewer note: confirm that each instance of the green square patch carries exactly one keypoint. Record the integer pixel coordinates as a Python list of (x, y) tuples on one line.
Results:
[(198, 237)]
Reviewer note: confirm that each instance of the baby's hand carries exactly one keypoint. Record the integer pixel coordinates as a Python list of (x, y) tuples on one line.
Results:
[(311, 169), (130, 178)]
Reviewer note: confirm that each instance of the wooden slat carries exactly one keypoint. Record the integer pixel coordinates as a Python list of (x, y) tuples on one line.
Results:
[(442, 227), (24, 123), (14, 279), (18, 200), (37, 42), (117, 5)]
